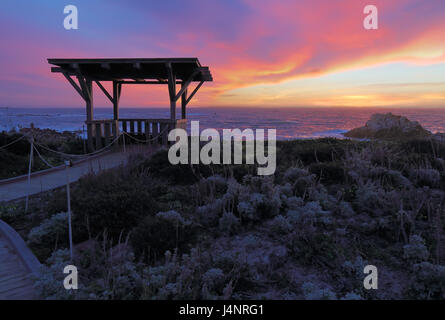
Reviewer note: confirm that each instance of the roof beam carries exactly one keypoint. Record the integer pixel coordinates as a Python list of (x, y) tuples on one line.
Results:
[(75, 85), (187, 83), (83, 85), (194, 92), (145, 82), (171, 89), (104, 91)]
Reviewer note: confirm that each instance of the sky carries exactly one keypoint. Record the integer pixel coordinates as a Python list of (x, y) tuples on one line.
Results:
[(285, 53)]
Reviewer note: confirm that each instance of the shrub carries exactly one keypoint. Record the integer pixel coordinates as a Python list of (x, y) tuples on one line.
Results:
[(313, 249), (213, 279), (415, 250), (310, 213), (102, 275), (344, 209), (11, 213), (183, 174), (370, 199), (156, 235), (51, 233), (279, 226), (228, 223), (425, 177), (181, 277), (352, 272), (49, 285), (114, 201), (208, 215), (255, 206), (429, 281), (172, 216), (352, 296), (314, 292), (294, 203), (329, 172), (293, 174)]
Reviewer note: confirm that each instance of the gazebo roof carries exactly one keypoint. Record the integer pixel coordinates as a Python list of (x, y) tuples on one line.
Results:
[(137, 69)]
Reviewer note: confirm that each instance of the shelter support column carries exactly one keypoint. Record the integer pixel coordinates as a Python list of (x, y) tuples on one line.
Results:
[(171, 90), (117, 88), (87, 89), (90, 114), (183, 101)]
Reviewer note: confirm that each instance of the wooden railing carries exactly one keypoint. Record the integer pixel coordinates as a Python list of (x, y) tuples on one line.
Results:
[(102, 132)]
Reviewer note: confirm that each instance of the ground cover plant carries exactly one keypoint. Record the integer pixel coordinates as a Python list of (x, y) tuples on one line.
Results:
[(151, 230)]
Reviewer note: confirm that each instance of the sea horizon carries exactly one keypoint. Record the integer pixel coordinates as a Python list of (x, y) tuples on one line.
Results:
[(290, 123)]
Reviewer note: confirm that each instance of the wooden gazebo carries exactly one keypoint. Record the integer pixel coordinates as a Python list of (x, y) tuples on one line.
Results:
[(169, 71)]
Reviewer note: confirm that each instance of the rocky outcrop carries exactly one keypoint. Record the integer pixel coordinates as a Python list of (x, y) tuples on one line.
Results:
[(388, 126)]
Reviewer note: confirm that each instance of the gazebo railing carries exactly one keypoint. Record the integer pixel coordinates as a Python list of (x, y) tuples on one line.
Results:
[(101, 132)]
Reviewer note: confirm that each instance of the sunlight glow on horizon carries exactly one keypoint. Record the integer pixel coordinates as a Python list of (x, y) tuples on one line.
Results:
[(271, 54)]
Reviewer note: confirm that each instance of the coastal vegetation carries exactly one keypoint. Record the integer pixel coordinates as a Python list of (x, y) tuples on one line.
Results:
[(14, 158), (152, 230)]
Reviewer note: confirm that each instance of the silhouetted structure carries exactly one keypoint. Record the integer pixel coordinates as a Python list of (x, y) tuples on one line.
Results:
[(155, 71)]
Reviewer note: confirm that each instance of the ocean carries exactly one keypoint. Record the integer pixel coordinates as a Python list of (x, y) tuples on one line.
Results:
[(290, 123)]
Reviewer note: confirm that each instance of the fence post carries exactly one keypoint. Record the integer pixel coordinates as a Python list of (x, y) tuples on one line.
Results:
[(68, 198), (31, 155), (84, 139)]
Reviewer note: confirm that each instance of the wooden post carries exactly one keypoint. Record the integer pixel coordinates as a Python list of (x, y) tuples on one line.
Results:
[(164, 133), (171, 90), (31, 155), (90, 113), (68, 198), (116, 97), (98, 135), (147, 131), (156, 131), (172, 109), (107, 132), (83, 138), (183, 102), (115, 128)]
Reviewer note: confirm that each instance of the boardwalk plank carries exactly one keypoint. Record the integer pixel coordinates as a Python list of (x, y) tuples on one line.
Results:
[(15, 280)]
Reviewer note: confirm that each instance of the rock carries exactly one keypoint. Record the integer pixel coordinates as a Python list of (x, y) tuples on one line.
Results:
[(439, 136), (388, 126)]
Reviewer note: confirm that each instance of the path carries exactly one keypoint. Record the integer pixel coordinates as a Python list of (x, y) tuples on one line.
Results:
[(43, 182), (15, 280)]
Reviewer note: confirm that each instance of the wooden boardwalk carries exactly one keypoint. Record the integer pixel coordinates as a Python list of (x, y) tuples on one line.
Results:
[(15, 280), (18, 265)]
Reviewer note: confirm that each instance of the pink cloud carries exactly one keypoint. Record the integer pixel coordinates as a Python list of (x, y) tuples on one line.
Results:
[(268, 42)]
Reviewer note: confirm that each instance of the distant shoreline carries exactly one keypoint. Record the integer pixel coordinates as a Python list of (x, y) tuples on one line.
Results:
[(298, 123)]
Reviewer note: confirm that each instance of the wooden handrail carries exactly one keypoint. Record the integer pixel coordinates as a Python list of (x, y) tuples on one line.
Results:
[(128, 120)]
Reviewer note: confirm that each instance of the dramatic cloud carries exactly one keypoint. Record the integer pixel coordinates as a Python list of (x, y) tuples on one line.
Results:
[(259, 51)]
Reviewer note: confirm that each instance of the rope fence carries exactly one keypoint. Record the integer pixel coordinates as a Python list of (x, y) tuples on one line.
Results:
[(146, 140), (80, 156), (35, 145), (11, 143), (38, 147), (41, 158)]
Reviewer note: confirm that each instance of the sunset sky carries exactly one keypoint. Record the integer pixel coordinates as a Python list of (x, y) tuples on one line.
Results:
[(261, 53)]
